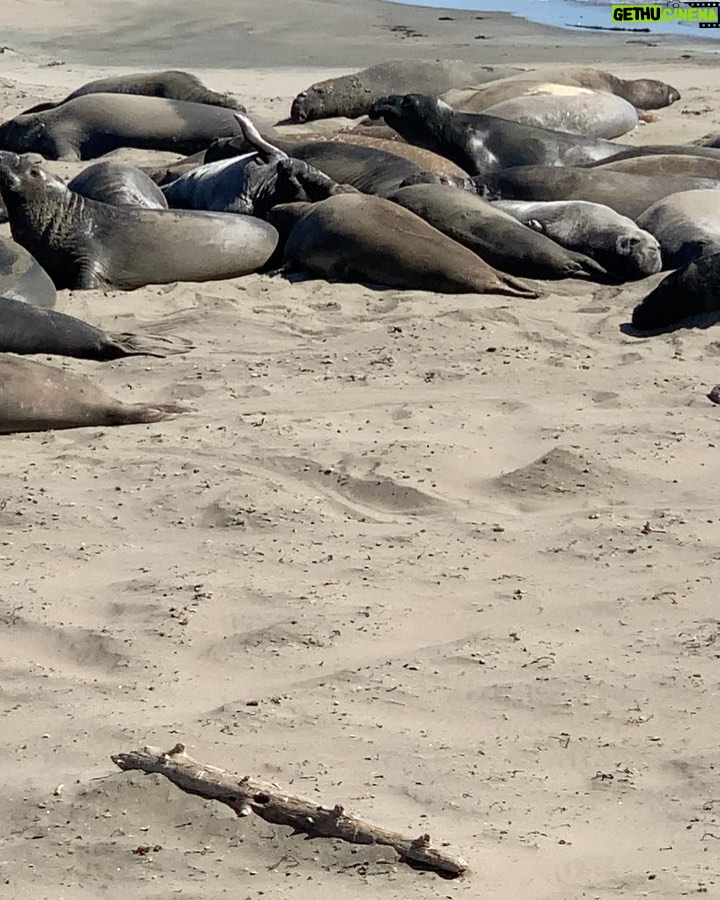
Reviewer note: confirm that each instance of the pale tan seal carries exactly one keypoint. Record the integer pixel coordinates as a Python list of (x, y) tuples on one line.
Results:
[(36, 397)]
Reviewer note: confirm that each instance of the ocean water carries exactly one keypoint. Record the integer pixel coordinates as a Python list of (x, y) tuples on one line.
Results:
[(574, 14)]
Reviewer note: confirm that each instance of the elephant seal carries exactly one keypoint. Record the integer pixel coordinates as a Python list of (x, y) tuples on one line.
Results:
[(425, 159), (27, 329), (664, 164), (629, 195), (36, 397), (481, 98), (478, 143), (688, 291), (360, 238), (687, 225), (169, 85), (353, 95), (365, 168), (496, 237), (118, 184), (588, 113), (23, 278), (643, 93), (658, 150), (615, 241), (83, 244), (252, 183), (90, 126)]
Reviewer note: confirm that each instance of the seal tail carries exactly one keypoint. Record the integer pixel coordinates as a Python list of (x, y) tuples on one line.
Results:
[(257, 141), (129, 344), (512, 287)]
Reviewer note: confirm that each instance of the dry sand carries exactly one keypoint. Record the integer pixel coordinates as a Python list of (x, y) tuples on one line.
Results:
[(446, 560)]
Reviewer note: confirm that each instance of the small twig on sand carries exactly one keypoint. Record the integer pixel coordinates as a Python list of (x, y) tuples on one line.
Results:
[(246, 795)]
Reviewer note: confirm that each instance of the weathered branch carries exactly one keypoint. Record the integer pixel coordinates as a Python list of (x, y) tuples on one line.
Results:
[(246, 795)]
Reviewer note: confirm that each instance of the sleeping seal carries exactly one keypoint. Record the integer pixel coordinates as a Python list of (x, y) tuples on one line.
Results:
[(118, 184), (36, 397), (688, 291), (365, 168), (90, 126), (360, 238), (589, 113), (84, 244), (27, 329), (496, 237), (643, 93), (687, 225), (615, 241), (629, 195), (353, 95), (479, 143), (170, 85), (23, 278)]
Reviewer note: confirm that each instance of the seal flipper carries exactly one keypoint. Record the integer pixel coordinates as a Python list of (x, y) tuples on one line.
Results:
[(129, 344)]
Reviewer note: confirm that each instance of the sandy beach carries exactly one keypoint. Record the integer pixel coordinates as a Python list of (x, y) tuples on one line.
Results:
[(450, 561)]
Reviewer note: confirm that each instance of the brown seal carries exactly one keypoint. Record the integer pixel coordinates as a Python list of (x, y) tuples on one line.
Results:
[(360, 238)]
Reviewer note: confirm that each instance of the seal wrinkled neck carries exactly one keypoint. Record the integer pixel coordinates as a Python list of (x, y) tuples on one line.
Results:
[(38, 203)]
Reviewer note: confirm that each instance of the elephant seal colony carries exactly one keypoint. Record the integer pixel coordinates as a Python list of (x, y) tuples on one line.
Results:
[(354, 95), (83, 244), (532, 186)]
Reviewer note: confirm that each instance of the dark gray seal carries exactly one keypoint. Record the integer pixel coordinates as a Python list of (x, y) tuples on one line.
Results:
[(365, 168), (615, 241), (496, 237), (480, 143), (118, 184), (689, 291), (250, 184), (171, 84), (359, 238), (83, 244), (23, 278), (687, 225), (353, 95), (629, 195), (26, 329), (36, 397), (93, 125)]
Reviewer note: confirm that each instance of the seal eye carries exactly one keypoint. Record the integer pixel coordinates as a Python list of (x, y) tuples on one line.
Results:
[(35, 172)]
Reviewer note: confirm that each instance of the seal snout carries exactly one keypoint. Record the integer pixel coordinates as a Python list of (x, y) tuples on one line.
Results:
[(10, 169), (298, 110)]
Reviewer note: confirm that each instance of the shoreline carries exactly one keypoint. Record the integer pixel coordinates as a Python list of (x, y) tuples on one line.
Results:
[(374, 31)]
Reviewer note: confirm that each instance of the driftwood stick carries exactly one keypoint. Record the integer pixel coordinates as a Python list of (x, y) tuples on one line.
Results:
[(246, 795)]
